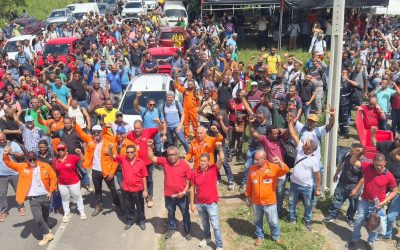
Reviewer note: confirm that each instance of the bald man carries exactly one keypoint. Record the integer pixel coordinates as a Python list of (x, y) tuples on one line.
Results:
[(261, 192), (8, 175)]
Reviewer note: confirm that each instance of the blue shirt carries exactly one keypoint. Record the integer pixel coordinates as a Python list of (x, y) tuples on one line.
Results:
[(115, 82), (383, 96), (62, 93), (4, 170), (172, 114), (125, 76), (148, 119)]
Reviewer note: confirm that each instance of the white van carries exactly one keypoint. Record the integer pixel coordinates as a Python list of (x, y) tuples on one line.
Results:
[(153, 86), (173, 10), (83, 8)]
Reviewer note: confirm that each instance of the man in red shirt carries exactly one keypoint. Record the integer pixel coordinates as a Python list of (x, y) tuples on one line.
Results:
[(377, 180), (372, 113), (134, 185), (139, 136), (204, 184), (177, 174)]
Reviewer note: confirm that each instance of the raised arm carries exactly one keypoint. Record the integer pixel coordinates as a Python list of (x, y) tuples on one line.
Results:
[(292, 130), (136, 102), (150, 152), (354, 159), (10, 163), (331, 111), (84, 137), (253, 132)]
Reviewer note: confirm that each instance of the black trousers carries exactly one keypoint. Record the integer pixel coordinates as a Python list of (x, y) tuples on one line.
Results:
[(235, 142), (344, 119), (134, 206), (40, 208), (97, 178)]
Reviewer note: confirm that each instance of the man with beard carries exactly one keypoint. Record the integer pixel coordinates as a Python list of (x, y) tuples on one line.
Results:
[(9, 127)]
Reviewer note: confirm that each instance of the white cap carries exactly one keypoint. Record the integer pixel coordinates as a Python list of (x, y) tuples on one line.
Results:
[(96, 128)]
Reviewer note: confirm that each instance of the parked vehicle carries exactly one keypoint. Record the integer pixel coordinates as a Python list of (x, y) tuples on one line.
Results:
[(151, 4), (11, 47), (103, 7), (162, 53), (83, 8), (133, 9), (59, 48), (59, 15), (112, 6), (174, 10), (30, 25), (152, 86)]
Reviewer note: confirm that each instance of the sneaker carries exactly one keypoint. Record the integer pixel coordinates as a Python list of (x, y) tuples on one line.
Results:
[(242, 188), (83, 216), (66, 218), (292, 221), (22, 211), (188, 237), (150, 202), (383, 238), (142, 225), (279, 242), (308, 225), (231, 186), (97, 210), (329, 219), (350, 244), (46, 238), (127, 226), (3, 216), (169, 234), (204, 242), (89, 188)]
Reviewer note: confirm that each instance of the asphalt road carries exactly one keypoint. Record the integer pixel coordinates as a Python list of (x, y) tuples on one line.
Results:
[(106, 231)]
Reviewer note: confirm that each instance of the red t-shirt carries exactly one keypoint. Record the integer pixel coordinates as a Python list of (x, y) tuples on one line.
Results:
[(133, 173), (376, 185), (370, 117), (67, 170), (272, 148), (141, 142), (206, 184), (175, 176)]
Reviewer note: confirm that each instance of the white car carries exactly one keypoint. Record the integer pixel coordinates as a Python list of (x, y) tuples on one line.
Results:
[(174, 10), (59, 15), (11, 46), (153, 86), (151, 4), (133, 9)]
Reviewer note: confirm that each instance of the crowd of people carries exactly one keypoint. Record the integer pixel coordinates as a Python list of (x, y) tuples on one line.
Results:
[(59, 122)]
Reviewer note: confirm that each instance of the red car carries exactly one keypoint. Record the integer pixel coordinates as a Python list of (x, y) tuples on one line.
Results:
[(58, 48), (166, 33), (163, 53)]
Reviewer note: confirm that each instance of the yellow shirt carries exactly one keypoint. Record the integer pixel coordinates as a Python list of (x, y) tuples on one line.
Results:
[(109, 116), (272, 63), (178, 40)]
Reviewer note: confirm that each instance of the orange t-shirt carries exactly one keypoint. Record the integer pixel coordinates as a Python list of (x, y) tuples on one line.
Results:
[(206, 146), (262, 183)]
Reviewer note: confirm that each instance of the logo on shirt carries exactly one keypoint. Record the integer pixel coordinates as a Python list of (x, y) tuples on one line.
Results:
[(267, 181), (255, 181), (68, 164), (26, 171)]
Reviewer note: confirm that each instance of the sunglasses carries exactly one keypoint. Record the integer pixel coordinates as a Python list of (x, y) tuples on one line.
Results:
[(61, 149), (152, 105), (130, 152), (96, 132), (32, 160)]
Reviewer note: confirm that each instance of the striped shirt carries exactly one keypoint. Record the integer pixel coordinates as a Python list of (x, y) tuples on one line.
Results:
[(31, 138)]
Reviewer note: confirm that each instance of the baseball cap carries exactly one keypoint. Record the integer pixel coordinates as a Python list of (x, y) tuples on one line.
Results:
[(118, 113), (313, 117), (121, 130), (96, 128), (28, 118), (102, 62), (254, 83)]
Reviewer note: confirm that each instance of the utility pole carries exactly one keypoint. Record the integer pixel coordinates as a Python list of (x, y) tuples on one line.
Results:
[(335, 73)]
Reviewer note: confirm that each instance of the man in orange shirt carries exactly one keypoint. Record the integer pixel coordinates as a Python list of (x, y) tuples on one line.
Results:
[(261, 191), (203, 144), (190, 104), (54, 125), (38, 181)]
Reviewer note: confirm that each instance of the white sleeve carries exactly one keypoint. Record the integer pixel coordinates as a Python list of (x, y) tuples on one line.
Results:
[(322, 130), (298, 126), (316, 167)]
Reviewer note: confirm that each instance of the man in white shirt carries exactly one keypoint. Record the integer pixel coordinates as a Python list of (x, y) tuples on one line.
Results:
[(294, 30), (318, 45)]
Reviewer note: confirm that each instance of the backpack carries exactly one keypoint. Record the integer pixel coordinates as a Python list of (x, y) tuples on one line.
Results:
[(177, 107), (317, 133), (146, 110)]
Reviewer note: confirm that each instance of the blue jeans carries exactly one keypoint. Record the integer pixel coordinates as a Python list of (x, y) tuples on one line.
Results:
[(83, 104), (271, 213), (85, 176), (306, 111), (280, 193), (395, 121), (249, 162), (365, 208), (171, 138), (272, 77), (342, 193), (149, 178), (227, 167), (136, 70), (119, 177), (183, 205), (393, 212), (157, 144), (383, 123), (55, 202), (295, 191), (209, 214)]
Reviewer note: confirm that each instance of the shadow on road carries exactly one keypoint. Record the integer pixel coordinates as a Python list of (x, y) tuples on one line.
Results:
[(241, 227), (31, 228)]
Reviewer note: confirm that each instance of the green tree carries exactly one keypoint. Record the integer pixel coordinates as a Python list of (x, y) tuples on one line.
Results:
[(7, 6)]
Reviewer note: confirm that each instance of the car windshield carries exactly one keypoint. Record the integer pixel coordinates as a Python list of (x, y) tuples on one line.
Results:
[(72, 8), (11, 46), (103, 7), (56, 49), (57, 14), (127, 107), (175, 13), (167, 35), (131, 5)]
